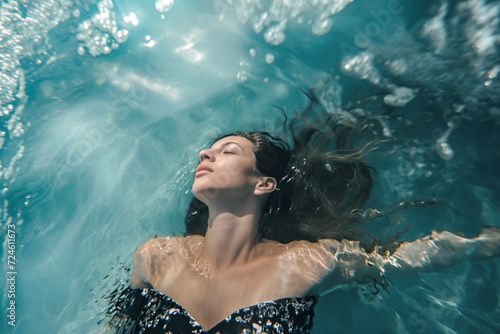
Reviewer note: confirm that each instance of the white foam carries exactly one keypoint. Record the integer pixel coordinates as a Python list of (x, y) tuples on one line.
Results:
[(362, 66), (435, 29), (399, 96)]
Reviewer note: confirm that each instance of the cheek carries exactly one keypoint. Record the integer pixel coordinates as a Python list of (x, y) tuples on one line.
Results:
[(237, 172), (233, 168)]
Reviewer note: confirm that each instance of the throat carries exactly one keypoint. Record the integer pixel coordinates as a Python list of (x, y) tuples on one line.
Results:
[(230, 243), (226, 250)]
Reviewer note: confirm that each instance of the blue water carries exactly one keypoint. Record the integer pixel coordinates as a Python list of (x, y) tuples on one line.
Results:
[(106, 103)]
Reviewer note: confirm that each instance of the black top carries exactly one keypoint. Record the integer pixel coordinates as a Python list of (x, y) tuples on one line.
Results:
[(149, 311)]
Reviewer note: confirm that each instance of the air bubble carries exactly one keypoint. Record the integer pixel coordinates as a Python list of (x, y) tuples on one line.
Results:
[(492, 74), (101, 34), (275, 35), (399, 96), (362, 66), (446, 151), (269, 58), (132, 19), (242, 76), (321, 26), (163, 6)]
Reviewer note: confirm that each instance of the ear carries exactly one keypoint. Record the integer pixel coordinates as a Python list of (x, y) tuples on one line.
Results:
[(265, 185)]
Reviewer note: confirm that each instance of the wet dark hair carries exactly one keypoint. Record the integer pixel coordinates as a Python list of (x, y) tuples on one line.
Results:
[(322, 181)]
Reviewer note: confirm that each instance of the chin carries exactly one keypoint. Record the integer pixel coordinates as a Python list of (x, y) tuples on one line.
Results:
[(204, 194)]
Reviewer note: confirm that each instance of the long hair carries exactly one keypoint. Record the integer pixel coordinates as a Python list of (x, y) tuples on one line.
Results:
[(322, 180)]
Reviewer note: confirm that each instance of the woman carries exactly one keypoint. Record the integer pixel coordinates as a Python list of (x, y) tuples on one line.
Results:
[(268, 237)]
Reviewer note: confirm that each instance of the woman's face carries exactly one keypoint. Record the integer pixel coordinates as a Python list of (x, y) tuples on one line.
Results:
[(227, 170)]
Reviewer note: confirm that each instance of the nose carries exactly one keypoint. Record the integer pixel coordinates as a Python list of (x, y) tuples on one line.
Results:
[(206, 155)]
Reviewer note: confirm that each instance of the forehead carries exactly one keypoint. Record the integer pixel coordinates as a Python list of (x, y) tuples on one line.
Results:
[(242, 142)]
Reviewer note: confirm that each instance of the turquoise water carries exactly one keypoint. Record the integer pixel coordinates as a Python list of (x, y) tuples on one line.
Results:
[(106, 103)]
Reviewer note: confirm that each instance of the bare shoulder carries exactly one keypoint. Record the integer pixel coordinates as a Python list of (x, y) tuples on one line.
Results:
[(153, 260), (167, 249), (304, 249), (308, 264), (162, 245)]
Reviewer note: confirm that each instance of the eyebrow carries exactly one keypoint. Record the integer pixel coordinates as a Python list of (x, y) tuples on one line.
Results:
[(229, 143)]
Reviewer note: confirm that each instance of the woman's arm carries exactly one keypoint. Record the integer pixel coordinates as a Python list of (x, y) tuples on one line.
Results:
[(442, 250), (344, 262)]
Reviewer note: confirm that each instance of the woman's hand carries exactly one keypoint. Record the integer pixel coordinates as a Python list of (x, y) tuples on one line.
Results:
[(488, 244)]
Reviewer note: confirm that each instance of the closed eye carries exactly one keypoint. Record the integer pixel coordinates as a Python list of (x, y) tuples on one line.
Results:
[(228, 152)]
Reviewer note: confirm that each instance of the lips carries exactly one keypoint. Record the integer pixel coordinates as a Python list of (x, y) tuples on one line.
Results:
[(202, 168)]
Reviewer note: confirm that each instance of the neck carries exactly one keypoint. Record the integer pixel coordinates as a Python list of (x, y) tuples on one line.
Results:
[(233, 232)]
